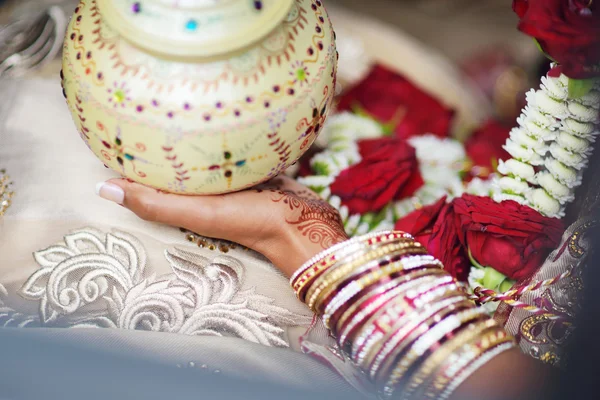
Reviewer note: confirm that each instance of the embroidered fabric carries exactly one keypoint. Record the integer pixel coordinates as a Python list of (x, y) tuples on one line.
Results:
[(98, 280), (544, 336)]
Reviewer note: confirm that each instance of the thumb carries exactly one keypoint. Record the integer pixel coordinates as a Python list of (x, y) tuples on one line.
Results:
[(196, 213)]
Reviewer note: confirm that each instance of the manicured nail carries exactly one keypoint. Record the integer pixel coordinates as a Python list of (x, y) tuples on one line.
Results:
[(110, 192)]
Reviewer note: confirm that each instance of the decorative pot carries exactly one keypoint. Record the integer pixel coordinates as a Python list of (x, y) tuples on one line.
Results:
[(199, 96)]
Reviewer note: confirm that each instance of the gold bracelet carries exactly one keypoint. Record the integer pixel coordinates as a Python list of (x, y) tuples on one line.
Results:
[(345, 265), (463, 356), (392, 263), (343, 268), (454, 321), (402, 324), (409, 338), (368, 239), (381, 294), (304, 279), (430, 369)]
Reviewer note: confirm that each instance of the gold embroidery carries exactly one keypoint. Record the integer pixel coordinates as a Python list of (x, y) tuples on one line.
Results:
[(211, 244), (575, 248), (6, 193)]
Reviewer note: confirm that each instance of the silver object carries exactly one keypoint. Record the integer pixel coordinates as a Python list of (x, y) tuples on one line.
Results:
[(31, 42)]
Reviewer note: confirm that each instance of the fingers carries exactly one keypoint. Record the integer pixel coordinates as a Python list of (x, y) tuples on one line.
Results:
[(196, 213)]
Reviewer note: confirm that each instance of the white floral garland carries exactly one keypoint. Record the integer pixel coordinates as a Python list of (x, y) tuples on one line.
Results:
[(555, 135), (441, 162)]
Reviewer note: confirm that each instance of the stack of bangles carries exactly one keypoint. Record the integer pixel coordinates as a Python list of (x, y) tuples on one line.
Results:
[(399, 316)]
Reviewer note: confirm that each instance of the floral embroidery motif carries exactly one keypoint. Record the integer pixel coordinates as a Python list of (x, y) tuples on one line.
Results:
[(98, 280)]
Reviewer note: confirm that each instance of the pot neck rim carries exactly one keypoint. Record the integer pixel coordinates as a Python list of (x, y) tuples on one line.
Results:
[(194, 28)]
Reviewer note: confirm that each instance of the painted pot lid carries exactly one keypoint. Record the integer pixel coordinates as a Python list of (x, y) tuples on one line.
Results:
[(194, 28)]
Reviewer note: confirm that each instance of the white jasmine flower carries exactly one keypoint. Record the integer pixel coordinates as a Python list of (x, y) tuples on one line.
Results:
[(573, 143), (582, 112), (323, 164), (549, 105), (578, 128), (554, 88), (510, 185), (362, 229), (565, 175), (554, 188), (438, 151), (573, 160), (335, 202), (519, 135), (538, 131), (591, 98), (541, 201), (480, 187), (316, 182), (517, 168), (500, 197), (383, 225), (352, 224), (326, 193), (350, 127), (344, 212), (522, 153), (534, 114)]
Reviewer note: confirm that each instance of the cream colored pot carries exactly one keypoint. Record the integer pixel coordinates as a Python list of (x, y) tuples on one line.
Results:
[(199, 96)]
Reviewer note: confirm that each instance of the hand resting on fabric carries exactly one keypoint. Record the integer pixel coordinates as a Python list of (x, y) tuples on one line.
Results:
[(281, 219)]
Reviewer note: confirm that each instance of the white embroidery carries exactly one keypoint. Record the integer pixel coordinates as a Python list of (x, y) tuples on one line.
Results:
[(97, 280), (12, 318)]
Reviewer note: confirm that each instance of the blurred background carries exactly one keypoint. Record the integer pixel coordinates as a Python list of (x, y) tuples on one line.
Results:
[(476, 39)]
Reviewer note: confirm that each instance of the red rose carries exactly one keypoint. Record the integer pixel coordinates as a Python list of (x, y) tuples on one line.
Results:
[(444, 244), (484, 147), (509, 237), (420, 223), (567, 30), (434, 227), (392, 99), (389, 170)]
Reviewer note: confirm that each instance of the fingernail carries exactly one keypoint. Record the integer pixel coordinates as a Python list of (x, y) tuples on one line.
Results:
[(110, 192)]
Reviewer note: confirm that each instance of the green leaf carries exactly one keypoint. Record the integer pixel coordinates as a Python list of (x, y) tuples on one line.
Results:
[(580, 87), (539, 46), (320, 168), (473, 261), (506, 285), (492, 278)]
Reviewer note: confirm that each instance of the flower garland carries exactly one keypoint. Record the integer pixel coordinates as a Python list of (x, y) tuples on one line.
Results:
[(551, 146), (441, 170)]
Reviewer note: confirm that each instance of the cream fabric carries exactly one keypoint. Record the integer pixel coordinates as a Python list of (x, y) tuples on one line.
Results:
[(57, 234)]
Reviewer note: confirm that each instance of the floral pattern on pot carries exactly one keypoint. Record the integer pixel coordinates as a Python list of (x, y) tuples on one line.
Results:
[(204, 125)]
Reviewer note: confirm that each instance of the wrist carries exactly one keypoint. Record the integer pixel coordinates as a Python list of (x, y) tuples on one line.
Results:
[(294, 247)]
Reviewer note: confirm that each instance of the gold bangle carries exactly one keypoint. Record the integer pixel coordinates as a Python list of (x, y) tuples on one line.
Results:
[(463, 356), (403, 326), (394, 262), (409, 337), (343, 268), (304, 279), (374, 279), (411, 319), (384, 293), (455, 321), (368, 239), (430, 369)]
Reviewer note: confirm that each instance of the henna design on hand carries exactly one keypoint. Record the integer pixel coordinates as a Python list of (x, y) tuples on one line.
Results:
[(314, 218)]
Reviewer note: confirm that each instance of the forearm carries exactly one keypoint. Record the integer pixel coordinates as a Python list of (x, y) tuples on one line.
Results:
[(510, 375)]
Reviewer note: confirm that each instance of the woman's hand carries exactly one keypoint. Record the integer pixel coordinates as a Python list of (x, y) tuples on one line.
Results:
[(281, 219)]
